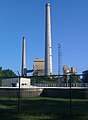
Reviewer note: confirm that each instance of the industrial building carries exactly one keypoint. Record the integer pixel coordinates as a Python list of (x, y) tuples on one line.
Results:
[(85, 76), (68, 71), (39, 67), (73, 70)]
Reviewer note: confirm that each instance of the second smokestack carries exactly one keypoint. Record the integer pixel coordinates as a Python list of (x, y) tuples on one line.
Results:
[(24, 69)]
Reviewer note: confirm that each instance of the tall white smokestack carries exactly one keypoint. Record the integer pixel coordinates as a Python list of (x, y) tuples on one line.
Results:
[(24, 69), (48, 47)]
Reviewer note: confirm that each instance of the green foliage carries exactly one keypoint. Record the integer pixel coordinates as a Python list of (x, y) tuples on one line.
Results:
[(44, 80), (0, 69), (62, 79), (75, 79), (6, 73)]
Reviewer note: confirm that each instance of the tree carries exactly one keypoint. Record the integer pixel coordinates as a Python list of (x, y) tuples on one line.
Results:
[(0, 69), (75, 79), (6, 73)]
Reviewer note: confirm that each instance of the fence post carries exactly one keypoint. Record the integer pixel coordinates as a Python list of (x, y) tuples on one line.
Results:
[(19, 95), (70, 97)]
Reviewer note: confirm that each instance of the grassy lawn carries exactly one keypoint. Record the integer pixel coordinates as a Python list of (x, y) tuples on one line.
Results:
[(15, 116), (43, 109)]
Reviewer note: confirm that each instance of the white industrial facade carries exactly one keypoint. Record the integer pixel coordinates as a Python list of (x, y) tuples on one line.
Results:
[(14, 82)]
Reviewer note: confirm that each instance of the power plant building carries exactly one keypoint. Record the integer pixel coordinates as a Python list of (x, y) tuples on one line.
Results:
[(39, 67), (66, 70), (73, 70)]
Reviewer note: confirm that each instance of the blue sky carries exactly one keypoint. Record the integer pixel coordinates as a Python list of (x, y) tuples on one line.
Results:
[(20, 18)]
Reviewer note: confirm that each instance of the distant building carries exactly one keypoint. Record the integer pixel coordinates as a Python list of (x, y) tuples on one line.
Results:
[(73, 70), (39, 67), (66, 70), (85, 72), (85, 76)]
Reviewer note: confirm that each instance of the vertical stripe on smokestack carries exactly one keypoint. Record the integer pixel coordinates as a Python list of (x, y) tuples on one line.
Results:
[(48, 47), (24, 57)]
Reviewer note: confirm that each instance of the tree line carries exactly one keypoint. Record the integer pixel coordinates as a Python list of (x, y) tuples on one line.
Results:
[(6, 73)]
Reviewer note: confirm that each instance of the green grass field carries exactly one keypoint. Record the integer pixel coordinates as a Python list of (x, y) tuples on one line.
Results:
[(43, 109)]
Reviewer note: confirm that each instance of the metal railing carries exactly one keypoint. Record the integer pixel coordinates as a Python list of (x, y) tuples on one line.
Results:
[(81, 85)]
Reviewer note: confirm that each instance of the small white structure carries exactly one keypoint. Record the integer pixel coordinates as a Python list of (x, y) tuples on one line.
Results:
[(14, 82)]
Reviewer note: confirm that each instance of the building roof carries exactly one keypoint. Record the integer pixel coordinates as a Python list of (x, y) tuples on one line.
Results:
[(39, 60)]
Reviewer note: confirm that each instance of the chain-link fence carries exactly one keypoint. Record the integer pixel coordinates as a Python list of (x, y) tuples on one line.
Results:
[(45, 95)]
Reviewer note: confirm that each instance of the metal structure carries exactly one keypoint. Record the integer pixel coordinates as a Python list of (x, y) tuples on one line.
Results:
[(48, 47), (59, 55), (24, 69)]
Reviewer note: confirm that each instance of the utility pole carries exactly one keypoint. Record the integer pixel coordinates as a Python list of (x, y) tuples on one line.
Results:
[(59, 55)]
